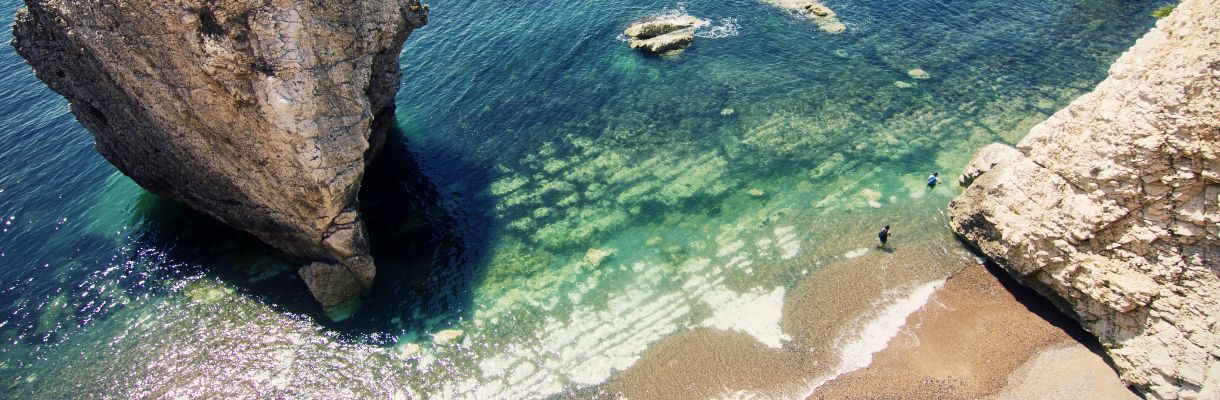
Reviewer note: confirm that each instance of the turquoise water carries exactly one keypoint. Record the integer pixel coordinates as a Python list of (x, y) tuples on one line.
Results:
[(562, 200)]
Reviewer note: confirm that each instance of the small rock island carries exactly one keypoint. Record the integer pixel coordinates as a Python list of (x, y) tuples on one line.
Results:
[(664, 35), (262, 115), (826, 18)]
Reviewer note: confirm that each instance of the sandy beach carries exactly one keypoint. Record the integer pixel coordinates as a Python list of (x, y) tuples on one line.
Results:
[(979, 334), (983, 335)]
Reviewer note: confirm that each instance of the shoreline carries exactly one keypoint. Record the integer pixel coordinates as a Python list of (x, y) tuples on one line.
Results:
[(982, 335), (858, 302), (900, 325)]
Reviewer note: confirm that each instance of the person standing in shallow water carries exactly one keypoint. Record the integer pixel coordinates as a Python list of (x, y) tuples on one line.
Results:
[(933, 180), (883, 236)]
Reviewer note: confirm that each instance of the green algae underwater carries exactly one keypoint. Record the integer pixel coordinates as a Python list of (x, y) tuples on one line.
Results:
[(564, 202)]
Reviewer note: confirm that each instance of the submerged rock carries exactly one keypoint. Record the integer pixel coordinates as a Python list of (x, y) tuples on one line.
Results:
[(1109, 208), (595, 257), (663, 35), (261, 115), (407, 351), (918, 73), (826, 18), (446, 336)]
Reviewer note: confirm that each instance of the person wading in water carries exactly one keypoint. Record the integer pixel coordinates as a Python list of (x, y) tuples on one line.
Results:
[(933, 180), (884, 236)]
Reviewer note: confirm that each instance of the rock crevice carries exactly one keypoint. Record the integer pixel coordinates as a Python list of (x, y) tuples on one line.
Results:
[(260, 114), (1109, 207)]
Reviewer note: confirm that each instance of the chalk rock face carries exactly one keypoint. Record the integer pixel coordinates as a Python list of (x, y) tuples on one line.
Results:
[(260, 114), (986, 159), (1110, 207)]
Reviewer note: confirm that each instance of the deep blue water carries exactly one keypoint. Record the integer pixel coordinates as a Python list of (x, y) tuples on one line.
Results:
[(531, 137)]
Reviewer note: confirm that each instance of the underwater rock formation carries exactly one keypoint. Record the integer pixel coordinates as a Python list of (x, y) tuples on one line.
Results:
[(261, 115), (1110, 207), (447, 336), (826, 18), (663, 35)]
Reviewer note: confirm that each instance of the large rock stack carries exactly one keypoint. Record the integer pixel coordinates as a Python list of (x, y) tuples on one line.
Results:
[(260, 114)]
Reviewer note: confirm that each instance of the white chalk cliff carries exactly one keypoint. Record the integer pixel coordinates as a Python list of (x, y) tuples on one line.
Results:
[(1109, 207)]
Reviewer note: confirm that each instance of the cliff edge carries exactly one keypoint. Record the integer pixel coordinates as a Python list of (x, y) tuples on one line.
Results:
[(1109, 207), (260, 114)]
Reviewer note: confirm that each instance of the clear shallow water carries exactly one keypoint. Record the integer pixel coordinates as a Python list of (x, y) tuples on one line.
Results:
[(720, 182)]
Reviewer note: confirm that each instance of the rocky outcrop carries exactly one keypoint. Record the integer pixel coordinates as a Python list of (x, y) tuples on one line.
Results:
[(660, 26), (667, 43), (662, 35), (826, 18), (986, 159), (260, 114), (1110, 207)]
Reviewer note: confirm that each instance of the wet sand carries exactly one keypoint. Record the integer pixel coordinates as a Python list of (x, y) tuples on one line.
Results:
[(820, 315), (980, 335), (983, 336), (1071, 372)]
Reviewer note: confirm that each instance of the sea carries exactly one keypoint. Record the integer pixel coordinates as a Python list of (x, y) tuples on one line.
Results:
[(557, 216)]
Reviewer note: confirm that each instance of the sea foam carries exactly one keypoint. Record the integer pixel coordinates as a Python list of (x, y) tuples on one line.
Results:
[(876, 333)]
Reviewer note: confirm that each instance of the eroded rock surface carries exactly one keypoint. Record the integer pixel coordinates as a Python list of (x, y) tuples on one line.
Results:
[(260, 114), (666, 43), (661, 26), (663, 35), (1109, 207), (986, 159)]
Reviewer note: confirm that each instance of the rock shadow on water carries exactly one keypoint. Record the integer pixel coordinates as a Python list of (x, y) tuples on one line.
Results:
[(426, 265)]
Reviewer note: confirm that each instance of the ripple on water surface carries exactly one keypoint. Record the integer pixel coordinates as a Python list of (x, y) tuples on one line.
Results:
[(597, 222)]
